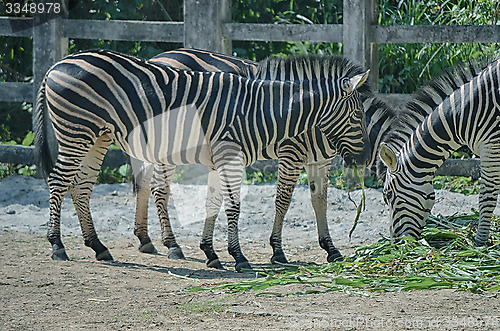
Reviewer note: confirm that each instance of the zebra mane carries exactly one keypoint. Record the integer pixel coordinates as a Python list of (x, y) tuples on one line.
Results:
[(431, 95), (305, 67), (379, 118)]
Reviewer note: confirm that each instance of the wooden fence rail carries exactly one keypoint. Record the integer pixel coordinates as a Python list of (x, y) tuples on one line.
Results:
[(207, 25)]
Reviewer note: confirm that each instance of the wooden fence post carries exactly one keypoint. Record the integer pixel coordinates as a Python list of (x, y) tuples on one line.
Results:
[(359, 15), (49, 46), (203, 20)]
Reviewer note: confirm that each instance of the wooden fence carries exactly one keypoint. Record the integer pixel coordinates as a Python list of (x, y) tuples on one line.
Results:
[(207, 25)]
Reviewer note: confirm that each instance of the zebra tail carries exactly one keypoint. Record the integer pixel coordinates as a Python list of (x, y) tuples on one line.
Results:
[(42, 156)]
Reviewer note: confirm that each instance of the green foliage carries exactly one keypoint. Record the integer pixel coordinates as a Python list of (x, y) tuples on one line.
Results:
[(27, 140), (464, 185), (25, 170), (258, 177), (107, 175), (303, 180), (285, 12), (350, 179), (15, 121), (400, 65), (150, 10), (445, 257), (336, 179), (178, 176), (19, 169), (5, 170), (462, 153)]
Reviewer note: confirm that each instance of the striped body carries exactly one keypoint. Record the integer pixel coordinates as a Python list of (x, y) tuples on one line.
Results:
[(310, 150), (467, 113), (164, 115)]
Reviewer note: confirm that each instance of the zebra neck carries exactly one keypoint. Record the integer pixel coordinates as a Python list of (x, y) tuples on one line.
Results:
[(457, 121)]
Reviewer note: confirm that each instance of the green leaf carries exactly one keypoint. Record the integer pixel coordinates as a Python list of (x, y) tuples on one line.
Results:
[(386, 257), (124, 170), (424, 283), (28, 139)]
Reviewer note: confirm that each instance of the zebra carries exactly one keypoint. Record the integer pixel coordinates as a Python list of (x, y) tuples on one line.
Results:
[(465, 111), (293, 155), (164, 115)]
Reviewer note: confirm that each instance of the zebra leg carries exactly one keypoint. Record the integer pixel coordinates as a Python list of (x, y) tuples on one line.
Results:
[(142, 191), (59, 179), (490, 179), (228, 161), (160, 187), (318, 184), (212, 206), (80, 191), (288, 173)]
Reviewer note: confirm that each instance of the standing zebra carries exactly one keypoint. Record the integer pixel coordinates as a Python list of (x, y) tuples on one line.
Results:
[(467, 113), (163, 115), (310, 150)]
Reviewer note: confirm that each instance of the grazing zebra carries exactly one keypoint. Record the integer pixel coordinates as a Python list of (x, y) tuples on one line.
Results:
[(163, 115), (465, 108)]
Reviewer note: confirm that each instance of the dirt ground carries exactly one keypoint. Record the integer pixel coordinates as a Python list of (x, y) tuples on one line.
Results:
[(140, 291)]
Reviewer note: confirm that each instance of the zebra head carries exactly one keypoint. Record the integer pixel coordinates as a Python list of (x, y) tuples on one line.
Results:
[(345, 122), (409, 195)]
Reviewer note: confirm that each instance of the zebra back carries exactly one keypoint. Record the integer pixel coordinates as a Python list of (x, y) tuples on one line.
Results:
[(199, 60), (429, 96)]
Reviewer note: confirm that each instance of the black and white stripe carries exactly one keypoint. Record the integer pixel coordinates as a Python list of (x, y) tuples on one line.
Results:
[(311, 150), (163, 115), (465, 111)]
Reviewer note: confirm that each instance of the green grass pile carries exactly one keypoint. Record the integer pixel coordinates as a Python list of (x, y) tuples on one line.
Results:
[(445, 257)]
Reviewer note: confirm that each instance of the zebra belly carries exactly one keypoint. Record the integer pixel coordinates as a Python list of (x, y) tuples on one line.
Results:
[(170, 138)]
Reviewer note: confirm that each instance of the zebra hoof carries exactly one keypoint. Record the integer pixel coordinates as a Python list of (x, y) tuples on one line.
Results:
[(214, 264), (335, 256), (241, 266), (104, 256), (60, 255), (175, 253), (277, 259), (148, 248)]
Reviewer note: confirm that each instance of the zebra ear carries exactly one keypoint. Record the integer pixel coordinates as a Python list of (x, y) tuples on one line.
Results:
[(388, 156), (359, 80)]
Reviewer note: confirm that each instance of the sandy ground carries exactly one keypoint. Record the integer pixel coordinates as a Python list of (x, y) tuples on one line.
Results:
[(141, 291)]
